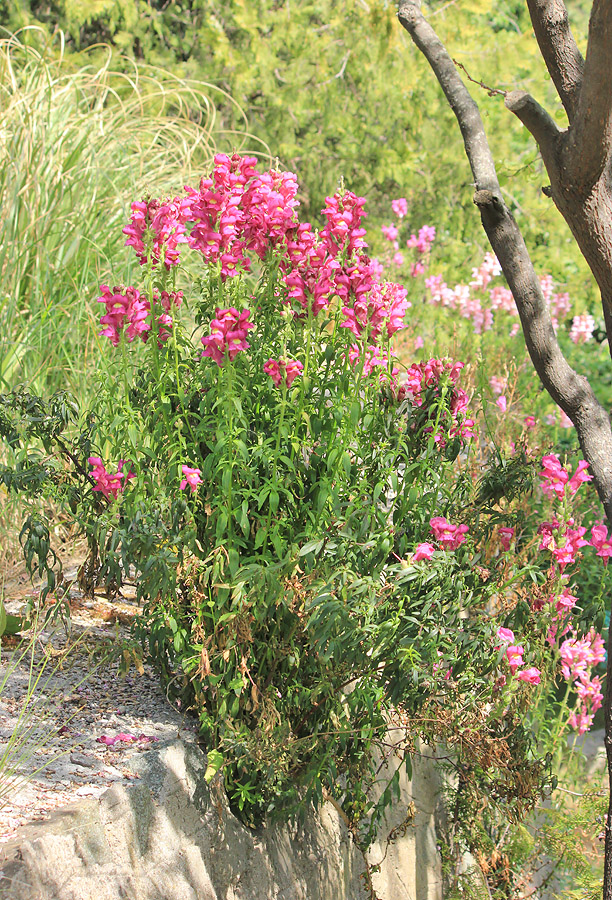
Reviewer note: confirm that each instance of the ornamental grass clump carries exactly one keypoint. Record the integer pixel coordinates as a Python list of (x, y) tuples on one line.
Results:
[(314, 557)]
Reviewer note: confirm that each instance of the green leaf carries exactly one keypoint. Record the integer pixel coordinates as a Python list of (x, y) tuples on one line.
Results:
[(215, 761)]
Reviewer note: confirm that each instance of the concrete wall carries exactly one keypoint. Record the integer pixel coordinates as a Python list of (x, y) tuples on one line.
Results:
[(169, 836)]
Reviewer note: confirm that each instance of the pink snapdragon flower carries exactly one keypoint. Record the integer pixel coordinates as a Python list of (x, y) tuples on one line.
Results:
[(554, 475), (124, 306), (110, 486), (370, 359), (578, 656), (390, 232), (556, 478), (582, 328), (287, 369), (514, 655), (384, 307), (505, 635), (400, 207), (530, 675), (425, 239), (343, 231), (228, 335), (502, 403), (191, 478), (601, 542), (506, 536), (498, 384), (565, 544), (450, 536), (424, 550), (565, 602), (164, 222)]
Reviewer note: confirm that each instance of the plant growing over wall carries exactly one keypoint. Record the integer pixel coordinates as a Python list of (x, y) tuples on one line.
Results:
[(315, 557)]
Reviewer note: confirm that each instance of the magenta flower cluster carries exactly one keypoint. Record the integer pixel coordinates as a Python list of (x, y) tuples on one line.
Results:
[(110, 486), (127, 308), (514, 657), (283, 370), (238, 211), (421, 377), (228, 333)]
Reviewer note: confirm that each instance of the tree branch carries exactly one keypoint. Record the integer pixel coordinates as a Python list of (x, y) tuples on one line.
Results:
[(572, 392), (538, 122), (458, 96), (559, 50), (591, 134)]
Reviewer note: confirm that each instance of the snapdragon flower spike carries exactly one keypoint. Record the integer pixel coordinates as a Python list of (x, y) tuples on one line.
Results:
[(557, 479), (309, 270), (124, 306), (425, 239), (385, 306), (127, 308), (283, 369), (343, 231), (578, 656), (165, 222), (216, 214), (390, 232), (269, 204), (369, 359), (228, 335), (582, 328)]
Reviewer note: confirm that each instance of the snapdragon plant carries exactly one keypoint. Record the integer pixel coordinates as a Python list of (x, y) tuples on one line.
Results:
[(314, 554)]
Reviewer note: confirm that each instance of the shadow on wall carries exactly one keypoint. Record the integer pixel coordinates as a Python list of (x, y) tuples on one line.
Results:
[(172, 837)]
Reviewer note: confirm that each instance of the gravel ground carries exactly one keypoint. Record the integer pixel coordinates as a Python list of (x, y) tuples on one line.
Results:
[(82, 722)]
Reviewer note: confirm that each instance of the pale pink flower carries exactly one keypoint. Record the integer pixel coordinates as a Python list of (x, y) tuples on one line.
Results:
[(418, 342), (390, 232), (505, 635), (400, 207), (582, 328), (530, 676), (423, 551), (502, 403), (498, 385), (601, 542)]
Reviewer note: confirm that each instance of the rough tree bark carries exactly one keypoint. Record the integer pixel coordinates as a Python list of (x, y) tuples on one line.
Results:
[(578, 161)]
